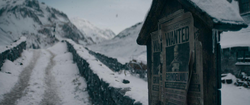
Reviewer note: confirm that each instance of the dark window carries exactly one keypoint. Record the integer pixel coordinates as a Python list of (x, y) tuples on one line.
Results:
[(243, 56), (244, 6)]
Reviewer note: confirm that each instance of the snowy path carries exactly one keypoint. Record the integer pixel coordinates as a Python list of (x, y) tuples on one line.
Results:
[(50, 96), (50, 78), (17, 92)]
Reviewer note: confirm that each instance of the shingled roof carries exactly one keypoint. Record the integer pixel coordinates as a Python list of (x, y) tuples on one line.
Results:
[(220, 13)]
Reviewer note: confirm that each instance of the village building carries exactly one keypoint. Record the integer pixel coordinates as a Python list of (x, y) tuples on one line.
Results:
[(235, 56), (244, 6), (183, 49), (236, 60)]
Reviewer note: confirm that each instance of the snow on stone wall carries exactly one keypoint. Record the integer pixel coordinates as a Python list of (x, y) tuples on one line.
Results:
[(134, 67), (112, 63), (13, 51), (103, 84)]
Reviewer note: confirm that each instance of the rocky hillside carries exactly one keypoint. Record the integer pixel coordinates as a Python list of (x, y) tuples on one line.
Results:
[(123, 46), (91, 31), (41, 24), (131, 31)]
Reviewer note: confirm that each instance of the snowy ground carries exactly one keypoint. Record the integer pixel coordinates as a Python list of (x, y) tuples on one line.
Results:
[(233, 95), (138, 88), (47, 77), (11, 70)]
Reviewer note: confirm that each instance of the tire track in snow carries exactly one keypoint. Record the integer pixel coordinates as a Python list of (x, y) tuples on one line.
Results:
[(23, 82), (50, 96)]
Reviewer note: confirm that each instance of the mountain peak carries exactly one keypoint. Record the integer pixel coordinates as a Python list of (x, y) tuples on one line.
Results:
[(133, 30), (98, 35), (123, 46), (41, 24)]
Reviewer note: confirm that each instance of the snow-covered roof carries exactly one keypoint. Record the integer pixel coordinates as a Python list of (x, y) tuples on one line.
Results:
[(235, 39), (219, 10), (217, 14)]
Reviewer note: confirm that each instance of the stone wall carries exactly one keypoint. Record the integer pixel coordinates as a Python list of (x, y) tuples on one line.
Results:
[(112, 63), (133, 67), (99, 91), (12, 53)]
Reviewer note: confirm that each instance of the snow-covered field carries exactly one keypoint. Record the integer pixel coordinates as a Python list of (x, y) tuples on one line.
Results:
[(47, 76), (233, 95)]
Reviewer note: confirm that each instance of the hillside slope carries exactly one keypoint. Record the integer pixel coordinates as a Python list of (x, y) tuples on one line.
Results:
[(91, 31), (123, 46), (41, 24)]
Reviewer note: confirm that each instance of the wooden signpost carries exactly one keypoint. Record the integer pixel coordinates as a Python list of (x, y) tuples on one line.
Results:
[(173, 50), (183, 53)]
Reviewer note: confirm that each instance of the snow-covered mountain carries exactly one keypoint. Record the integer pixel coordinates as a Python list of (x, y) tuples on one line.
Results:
[(41, 24), (131, 31), (123, 46), (91, 31)]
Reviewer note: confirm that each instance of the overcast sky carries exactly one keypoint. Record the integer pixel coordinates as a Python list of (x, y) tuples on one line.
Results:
[(113, 14)]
